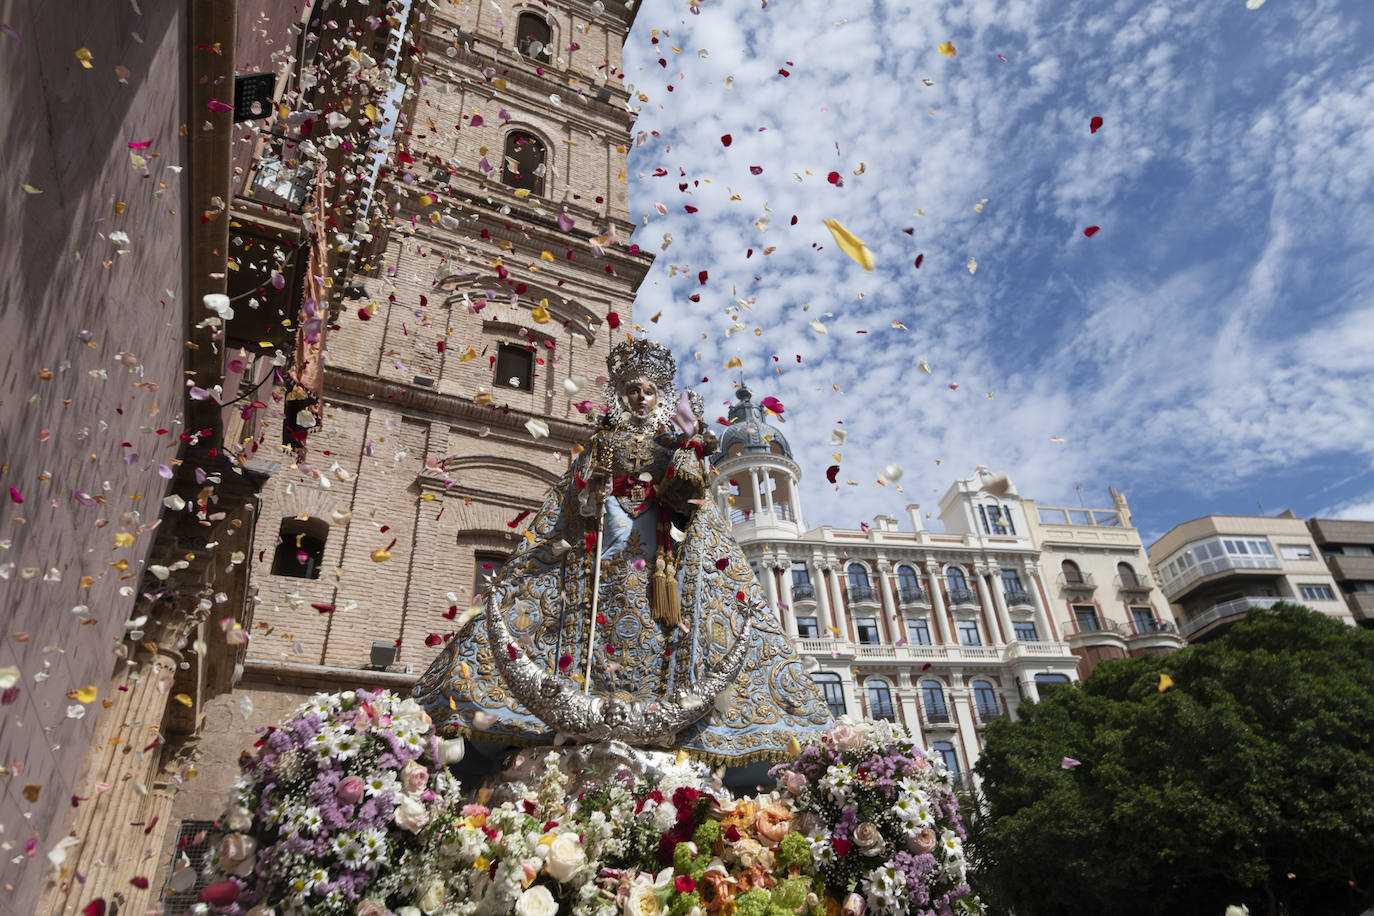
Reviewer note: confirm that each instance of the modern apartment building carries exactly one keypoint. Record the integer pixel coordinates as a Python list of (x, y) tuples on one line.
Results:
[(940, 631), (1348, 547), (1215, 568), (1103, 593)]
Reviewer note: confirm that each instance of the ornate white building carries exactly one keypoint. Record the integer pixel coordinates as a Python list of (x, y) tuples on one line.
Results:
[(939, 631)]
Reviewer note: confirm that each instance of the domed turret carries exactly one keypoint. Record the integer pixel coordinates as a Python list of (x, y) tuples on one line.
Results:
[(757, 487)]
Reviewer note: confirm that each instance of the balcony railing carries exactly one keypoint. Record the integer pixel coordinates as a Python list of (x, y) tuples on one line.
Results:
[(882, 711), (1084, 625), (937, 717), (912, 594), (1133, 583), (802, 591), (862, 593), (960, 596), (1145, 627), (1236, 607), (1017, 596), (1173, 587), (987, 713), (777, 513), (1077, 582)]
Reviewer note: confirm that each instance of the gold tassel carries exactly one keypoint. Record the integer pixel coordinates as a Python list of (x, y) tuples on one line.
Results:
[(665, 600)]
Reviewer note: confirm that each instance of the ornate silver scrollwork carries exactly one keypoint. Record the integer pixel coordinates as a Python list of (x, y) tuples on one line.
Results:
[(584, 717)]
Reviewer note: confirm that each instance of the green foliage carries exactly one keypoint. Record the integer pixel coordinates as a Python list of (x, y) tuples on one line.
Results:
[(1251, 780), (707, 834), (793, 850), (683, 904), (753, 903)]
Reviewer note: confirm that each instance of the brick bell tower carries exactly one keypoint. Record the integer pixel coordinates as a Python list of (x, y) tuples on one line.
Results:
[(498, 265)]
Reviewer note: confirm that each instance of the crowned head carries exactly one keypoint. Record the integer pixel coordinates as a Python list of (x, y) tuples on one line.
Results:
[(641, 381)]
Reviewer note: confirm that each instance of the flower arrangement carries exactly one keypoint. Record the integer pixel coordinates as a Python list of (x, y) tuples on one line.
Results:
[(862, 821), (337, 812)]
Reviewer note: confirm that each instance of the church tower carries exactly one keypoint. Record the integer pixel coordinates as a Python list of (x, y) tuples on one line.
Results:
[(757, 486), (459, 365)]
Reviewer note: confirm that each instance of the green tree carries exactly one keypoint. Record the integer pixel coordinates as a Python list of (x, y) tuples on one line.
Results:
[(1250, 780)]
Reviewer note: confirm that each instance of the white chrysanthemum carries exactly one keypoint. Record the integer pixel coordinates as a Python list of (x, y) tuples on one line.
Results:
[(952, 845), (375, 849), (348, 850), (822, 853), (345, 744), (308, 820), (379, 782)]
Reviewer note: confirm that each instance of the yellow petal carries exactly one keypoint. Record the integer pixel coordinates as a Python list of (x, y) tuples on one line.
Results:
[(734, 363), (124, 539), (468, 354), (85, 56), (183, 699), (540, 314), (426, 199), (545, 255), (371, 112), (522, 193), (87, 694), (381, 555), (947, 49), (850, 244), (30, 189), (1165, 682)]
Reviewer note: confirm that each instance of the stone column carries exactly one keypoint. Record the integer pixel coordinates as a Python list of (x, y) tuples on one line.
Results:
[(823, 600), (937, 602), (890, 611), (792, 500), (968, 728), (789, 614), (1000, 601), (770, 587), (910, 701), (1042, 617), (841, 612), (767, 481), (754, 499), (980, 576)]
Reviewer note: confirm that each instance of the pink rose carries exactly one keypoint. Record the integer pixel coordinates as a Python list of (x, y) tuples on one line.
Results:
[(475, 811), (349, 791), (410, 814), (921, 842), (372, 907), (414, 777), (854, 905), (844, 736), (772, 823), (237, 854), (794, 782)]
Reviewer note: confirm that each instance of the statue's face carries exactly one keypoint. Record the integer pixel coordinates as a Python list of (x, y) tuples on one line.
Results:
[(641, 397)]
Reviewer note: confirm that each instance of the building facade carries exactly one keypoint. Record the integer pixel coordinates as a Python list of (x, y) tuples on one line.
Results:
[(1104, 594), (938, 631), (1348, 548), (1215, 568)]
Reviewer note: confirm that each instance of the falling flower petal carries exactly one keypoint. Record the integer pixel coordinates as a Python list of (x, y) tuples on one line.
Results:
[(947, 49), (850, 244), (537, 428), (1165, 682), (1069, 763), (972, 265), (1096, 123), (831, 472)]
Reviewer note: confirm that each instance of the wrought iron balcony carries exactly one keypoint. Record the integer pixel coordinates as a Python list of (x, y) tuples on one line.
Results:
[(937, 717), (1077, 582), (1017, 596), (882, 711), (862, 593), (960, 596), (912, 594), (1134, 583), (803, 590), (1156, 626), (1094, 624)]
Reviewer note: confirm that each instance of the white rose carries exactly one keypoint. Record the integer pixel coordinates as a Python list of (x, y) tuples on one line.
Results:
[(565, 857), (240, 818), (433, 898), (411, 814), (408, 911), (643, 901), (410, 711), (451, 750), (536, 901)]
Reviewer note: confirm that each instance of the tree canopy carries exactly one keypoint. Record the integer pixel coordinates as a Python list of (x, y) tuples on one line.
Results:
[(1249, 780)]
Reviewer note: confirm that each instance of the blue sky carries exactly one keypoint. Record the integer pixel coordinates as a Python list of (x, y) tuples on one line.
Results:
[(1210, 349)]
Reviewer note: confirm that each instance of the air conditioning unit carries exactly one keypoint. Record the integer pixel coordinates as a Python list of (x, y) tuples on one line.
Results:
[(424, 381), (383, 655)]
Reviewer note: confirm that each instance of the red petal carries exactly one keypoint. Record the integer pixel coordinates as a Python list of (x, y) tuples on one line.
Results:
[(612, 320), (432, 640), (510, 650), (1091, 231), (831, 471), (722, 563), (323, 608), (564, 662), (773, 404), (755, 170), (701, 277), (1095, 124), (833, 178), (221, 893), (910, 230), (140, 882), (919, 259), (725, 140), (689, 208)]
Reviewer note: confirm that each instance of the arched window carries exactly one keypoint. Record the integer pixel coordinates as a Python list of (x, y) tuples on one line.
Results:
[(950, 757), (1011, 583), (986, 701), (859, 589), (933, 701), (831, 690), (957, 585), (532, 36), (907, 578), (300, 547), (879, 700), (1072, 574), (1047, 682), (1127, 574), (523, 165)]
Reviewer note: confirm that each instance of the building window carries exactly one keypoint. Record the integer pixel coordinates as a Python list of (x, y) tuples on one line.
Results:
[(1013, 589), (968, 633), (1144, 618), (1128, 577), (1086, 615), (880, 701), (909, 589), (958, 586), (918, 632), (1072, 574), (1044, 683), (808, 628), (1317, 592), (300, 547), (1025, 632), (859, 589), (523, 165), (867, 628), (801, 581), (196, 839), (950, 758), (533, 36), (1296, 551), (831, 690), (515, 367), (488, 567), (986, 701), (996, 520), (933, 701)]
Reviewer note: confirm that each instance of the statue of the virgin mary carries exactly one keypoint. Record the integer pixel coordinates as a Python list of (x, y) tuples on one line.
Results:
[(628, 611)]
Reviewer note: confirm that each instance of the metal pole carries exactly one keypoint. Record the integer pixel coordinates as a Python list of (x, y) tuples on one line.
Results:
[(596, 593)]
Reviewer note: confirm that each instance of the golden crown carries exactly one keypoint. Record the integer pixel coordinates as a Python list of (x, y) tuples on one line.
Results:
[(641, 357)]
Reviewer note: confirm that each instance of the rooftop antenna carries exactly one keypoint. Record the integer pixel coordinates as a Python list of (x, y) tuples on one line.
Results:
[(1078, 488)]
